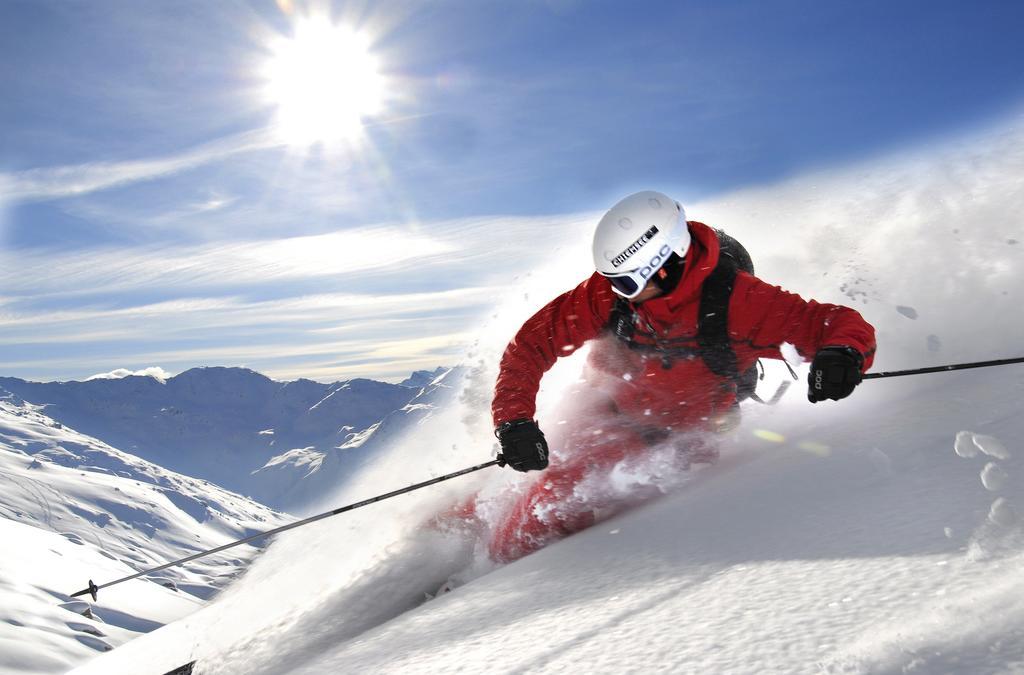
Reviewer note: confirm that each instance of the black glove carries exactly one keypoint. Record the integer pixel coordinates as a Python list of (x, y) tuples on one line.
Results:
[(523, 446), (835, 371)]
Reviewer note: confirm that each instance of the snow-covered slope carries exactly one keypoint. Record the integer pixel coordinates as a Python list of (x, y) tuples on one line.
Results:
[(223, 424), (72, 508), (828, 545), (879, 534)]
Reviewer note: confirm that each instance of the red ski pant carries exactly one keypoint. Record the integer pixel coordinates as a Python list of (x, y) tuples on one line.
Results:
[(554, 507)]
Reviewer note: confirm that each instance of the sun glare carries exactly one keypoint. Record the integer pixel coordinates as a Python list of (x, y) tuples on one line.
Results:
[(324, 82)]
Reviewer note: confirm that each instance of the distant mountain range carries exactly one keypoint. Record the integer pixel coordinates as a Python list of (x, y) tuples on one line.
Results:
[(107, 477), (282, 443)]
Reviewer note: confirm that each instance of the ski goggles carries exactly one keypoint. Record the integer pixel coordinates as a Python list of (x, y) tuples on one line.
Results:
[(628, 284), (665, 275)]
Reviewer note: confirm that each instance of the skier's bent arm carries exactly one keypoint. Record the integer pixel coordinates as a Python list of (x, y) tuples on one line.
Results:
[(558, 329), (840, 343)]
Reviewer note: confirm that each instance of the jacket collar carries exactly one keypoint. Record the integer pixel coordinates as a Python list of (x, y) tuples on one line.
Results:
[(701, 259)]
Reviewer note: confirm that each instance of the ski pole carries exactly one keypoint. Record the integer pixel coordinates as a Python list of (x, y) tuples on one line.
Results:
[(92, 588), (942, 369)]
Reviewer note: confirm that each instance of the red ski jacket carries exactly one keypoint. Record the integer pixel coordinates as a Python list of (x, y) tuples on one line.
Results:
[(686, 394)]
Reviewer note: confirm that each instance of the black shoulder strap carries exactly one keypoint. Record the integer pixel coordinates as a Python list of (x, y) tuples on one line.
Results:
[(713, 319), (713, 344), (622, 321)]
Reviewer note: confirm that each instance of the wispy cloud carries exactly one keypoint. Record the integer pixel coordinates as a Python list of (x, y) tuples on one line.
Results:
[(456, 252), (375, 302), (222, 264), (322, 314), (81, 179)]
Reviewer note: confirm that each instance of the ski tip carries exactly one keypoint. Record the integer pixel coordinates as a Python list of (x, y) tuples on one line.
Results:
[(182, 670)]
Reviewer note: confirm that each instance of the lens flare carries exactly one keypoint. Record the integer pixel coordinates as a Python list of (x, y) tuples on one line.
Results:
[(770, 436)]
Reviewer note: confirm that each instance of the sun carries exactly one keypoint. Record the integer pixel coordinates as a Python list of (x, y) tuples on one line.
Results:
[(324, 81)]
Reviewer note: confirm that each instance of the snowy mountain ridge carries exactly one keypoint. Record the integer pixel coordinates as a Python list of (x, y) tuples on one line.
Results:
[(309, 478), (231, 426), (75, 508)]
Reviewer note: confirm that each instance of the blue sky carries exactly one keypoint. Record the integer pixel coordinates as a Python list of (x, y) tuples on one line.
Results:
[(151, 216)]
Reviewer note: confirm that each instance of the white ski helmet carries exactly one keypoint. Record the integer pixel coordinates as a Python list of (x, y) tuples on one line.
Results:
[(636, 237)]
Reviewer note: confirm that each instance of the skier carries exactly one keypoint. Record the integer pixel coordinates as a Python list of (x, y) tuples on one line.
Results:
[(677, 326)]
